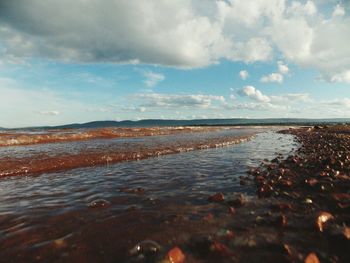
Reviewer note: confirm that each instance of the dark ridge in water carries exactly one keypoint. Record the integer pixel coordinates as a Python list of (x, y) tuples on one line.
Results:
[(201, 122)]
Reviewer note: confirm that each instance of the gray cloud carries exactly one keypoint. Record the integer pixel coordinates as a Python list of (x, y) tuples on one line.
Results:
[(112, 31), (182, 33)]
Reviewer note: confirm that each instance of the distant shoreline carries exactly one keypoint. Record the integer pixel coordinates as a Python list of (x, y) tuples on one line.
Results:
[(194, 122)]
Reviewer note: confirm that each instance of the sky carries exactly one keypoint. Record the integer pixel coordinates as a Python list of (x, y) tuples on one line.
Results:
[(64, 61)]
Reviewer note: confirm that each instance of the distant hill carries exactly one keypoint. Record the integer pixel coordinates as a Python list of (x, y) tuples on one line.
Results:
[(202, 122)]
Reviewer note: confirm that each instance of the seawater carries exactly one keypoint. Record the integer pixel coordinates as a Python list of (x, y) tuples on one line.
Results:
[(49, 216)]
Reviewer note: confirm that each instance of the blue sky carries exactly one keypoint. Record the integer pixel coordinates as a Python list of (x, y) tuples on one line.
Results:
[(67, 62)]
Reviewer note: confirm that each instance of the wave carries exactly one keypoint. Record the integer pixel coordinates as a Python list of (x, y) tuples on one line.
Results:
[(51, 162), (66, 135)]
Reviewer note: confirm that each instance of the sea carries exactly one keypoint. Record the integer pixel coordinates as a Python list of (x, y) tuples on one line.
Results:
[(82, 194)]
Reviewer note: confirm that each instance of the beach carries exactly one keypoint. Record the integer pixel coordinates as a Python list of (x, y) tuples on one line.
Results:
[(223, 194)]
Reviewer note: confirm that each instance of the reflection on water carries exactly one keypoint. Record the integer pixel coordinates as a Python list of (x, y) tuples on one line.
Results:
[(78, 213)]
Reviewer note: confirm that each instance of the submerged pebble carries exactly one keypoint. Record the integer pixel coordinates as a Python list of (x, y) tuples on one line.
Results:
[(99, 203), (218, 197), (145, 249)]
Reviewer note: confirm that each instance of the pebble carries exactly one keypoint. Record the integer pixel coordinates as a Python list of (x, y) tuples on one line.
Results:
[(218, 197), (99, 203), (321, 219), (237, 200), (282, 221), (265, 190), (175, 255), (311, 258), (145, 249)]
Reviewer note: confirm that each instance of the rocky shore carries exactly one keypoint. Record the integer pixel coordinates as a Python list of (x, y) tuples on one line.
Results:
[(301, 212)]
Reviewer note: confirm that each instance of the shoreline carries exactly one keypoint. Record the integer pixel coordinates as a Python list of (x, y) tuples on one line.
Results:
[(301, 212)]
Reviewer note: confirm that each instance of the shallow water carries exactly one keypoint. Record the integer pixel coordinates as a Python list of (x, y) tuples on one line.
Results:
[(53, 217), (49, 157)]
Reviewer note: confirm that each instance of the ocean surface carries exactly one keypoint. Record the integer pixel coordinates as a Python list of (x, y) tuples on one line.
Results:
[(151, 184)]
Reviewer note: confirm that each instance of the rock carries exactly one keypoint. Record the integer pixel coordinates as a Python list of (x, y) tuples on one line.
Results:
[(259, 178), (201, 244), (218, 197), (276, 160), (285, 183), (231, 210), (339, 233), (175, 255), (321, 219), (237, 200), (282, 221), (311, 182), (282, 207), (311, 258), (208, 217), (341, 197), (145, 249), (265, 190), (308, 201), (346, 232), (99, 203), (220, 250), (225, 234)]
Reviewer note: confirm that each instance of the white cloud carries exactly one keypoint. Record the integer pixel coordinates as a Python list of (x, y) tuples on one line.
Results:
[(293, 97), (259, 107), (282, 68), (345, 102), (299, 9), (252, 93), (255, 94), (152, 100), (273, 77), (255, 49), (50, 113), (276, 76), (152, 78), (338, 11), (244, 74)]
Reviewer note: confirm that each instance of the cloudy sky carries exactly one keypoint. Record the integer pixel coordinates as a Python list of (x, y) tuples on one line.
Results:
[(64, 61)]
